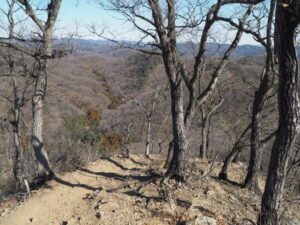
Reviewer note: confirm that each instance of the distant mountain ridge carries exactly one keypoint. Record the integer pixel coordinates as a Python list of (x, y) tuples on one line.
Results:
[(188, 49)]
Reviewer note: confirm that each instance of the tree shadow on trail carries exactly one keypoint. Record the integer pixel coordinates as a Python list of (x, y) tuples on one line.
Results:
[(136, 162), (119, 176), (227, 181), (84, 186), (132, 160), (117, 164), (179, 202)]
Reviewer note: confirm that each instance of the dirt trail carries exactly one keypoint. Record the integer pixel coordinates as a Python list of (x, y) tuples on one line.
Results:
[(68, 199), (118, 191)]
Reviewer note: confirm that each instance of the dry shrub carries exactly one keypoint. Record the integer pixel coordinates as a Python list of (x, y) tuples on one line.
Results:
[(115, 101), (79, 103), (176, 218), (69, 160), (93, 116), (83, 128), (25, 141), (7, 182), (111, 142)]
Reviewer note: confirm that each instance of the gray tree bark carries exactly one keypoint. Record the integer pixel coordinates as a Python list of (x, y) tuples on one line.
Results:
[(17, 105), (287, 20), (46, 28), (177, 165), (44, 168), (205, 129), (148, 138), (236, 149), (261, 96)]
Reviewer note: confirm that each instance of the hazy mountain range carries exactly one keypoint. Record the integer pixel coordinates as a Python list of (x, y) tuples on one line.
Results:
[(108, 48)]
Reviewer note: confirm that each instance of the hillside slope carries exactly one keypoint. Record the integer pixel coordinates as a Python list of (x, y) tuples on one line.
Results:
[(122, 191)]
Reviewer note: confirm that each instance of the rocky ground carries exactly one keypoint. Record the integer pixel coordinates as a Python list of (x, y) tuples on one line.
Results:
[(121, 191)]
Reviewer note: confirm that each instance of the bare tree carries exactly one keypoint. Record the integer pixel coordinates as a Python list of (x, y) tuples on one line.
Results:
[(262, 94), (293, 180), (42, 53), (148, 109), (20, 82), (205, 127), (287, 20), (126, 151), (236, 149), (164, 22)]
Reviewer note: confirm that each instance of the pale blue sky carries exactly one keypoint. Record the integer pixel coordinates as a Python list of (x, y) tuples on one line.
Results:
[(81, 13), (84, 12)]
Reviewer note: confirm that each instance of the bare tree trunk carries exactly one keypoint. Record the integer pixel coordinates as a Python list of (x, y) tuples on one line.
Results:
[(203, 151), (19, 165), (169, 154), (205, 129), (237, 148), (261, 96), (44, 168), (18, 170), (177, 166), (287, 20), (204, 140), (18, 102), (126, 151), (208, 137), (42, 57), (148, 140), (237, 157)]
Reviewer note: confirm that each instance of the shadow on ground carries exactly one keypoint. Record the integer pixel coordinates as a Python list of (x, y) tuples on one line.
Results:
[(69, 184)]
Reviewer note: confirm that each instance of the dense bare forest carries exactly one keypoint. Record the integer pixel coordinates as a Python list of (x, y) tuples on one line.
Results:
[(187, 122)]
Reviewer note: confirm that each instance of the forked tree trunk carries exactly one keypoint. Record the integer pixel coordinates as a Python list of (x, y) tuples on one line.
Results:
[(206, 119), (288, 99), (261, 96), (42, 56), (236, 149), (177, 74), (19, 164), (237, 157)]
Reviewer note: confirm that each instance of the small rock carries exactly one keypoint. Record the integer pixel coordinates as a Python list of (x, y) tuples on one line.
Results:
[(98, 215), (4, 212), (102, 201), (64, 223), (31, 219), (205, 220)]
